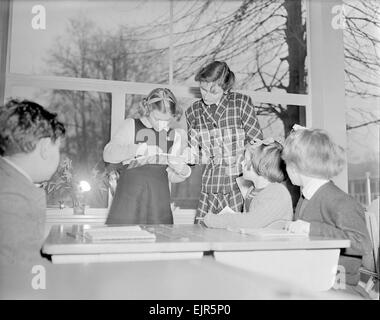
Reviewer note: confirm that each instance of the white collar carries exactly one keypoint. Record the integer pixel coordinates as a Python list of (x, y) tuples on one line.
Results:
[(312, 187), (18, 168)]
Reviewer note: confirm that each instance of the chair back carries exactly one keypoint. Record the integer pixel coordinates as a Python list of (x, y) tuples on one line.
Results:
[(372, 221)]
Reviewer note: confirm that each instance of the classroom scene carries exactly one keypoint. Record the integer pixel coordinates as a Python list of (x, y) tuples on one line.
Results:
[(189, 150)]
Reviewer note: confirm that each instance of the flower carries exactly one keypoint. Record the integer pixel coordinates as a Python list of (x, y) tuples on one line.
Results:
[(66, 184)]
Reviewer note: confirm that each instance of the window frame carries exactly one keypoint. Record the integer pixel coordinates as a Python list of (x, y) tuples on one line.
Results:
[(321, 92)]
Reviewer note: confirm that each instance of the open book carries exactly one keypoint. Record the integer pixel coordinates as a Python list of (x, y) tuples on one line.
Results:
[(129, 233), (159, 158)]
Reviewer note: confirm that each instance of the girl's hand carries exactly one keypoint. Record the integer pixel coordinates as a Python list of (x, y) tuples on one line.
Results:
[(189, 155), (179, 166), (298, 226), (141, 149), (174, 124)]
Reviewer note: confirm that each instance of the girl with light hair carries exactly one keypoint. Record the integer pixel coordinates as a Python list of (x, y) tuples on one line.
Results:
[(146, 145), (312, 159)]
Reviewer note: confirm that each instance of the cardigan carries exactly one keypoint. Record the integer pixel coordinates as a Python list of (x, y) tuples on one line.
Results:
[(123, 148), (22, 217), (334, 214), (270, 204)]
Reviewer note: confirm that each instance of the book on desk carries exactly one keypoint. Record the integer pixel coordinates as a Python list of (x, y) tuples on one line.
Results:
[(114, 233)]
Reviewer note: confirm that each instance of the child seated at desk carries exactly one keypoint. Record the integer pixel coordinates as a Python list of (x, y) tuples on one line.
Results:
[(268, 200), (30, 138), (312, 159)]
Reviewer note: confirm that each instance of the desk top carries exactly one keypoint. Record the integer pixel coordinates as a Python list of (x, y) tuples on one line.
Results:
[(183, 238), (178, 279)]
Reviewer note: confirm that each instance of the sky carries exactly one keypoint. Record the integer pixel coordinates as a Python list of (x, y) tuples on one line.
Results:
[(30, 47)]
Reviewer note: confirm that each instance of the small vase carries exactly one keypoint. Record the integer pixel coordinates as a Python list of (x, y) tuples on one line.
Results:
[(78, 204), (79, 208)]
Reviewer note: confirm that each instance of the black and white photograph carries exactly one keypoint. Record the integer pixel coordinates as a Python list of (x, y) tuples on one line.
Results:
[(187, 155)]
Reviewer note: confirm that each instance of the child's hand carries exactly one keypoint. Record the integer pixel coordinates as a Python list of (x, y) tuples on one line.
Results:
[(141, 149), (179, 166), (189, 155), (174, 124), (298, 226)]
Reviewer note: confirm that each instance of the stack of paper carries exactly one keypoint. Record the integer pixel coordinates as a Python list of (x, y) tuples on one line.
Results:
[(130, 233)]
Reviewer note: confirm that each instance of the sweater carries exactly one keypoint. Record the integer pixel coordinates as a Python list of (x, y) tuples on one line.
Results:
[(270, 204), (22, 217), (123, 147), (334, 214)]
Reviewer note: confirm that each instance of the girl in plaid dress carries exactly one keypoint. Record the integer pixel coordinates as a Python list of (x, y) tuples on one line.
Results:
[(219, 125)]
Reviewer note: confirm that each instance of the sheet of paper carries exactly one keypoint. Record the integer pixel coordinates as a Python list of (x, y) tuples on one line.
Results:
[(160, 158), (226, 209), (269, 232), (278, 225)]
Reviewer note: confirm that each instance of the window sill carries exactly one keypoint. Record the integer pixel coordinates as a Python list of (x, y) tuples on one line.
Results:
[(68, 212), (99, 216)]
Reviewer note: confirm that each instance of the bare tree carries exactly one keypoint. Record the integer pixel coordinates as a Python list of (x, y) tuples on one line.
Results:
[(265, 42), (85, 51), (361, 39)]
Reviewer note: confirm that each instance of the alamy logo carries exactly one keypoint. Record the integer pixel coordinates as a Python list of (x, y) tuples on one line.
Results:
[(39, 18), (339, 19), (340, 278), (39, 280)]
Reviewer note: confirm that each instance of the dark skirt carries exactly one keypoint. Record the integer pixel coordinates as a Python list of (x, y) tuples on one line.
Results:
[(142, 197)]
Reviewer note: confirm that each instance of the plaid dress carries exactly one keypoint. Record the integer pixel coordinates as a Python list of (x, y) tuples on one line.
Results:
[(219, 133)]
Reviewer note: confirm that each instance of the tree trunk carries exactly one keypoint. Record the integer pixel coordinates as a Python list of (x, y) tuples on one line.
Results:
[(296, 40)]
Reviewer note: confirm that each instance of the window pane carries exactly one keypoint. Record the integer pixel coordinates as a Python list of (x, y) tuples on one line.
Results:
[(264, 43), (92, 39), (362, 85), (87, 117)]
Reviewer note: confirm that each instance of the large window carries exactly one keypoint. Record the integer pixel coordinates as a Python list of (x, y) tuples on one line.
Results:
[(87, 119), (120, 50), (361, 40), (263, 41)]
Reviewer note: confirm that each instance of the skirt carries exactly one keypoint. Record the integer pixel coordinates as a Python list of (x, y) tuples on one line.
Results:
[(142, 197)]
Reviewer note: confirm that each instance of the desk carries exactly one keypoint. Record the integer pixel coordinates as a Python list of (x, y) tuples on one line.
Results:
[(310, 262), (157, 280)]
